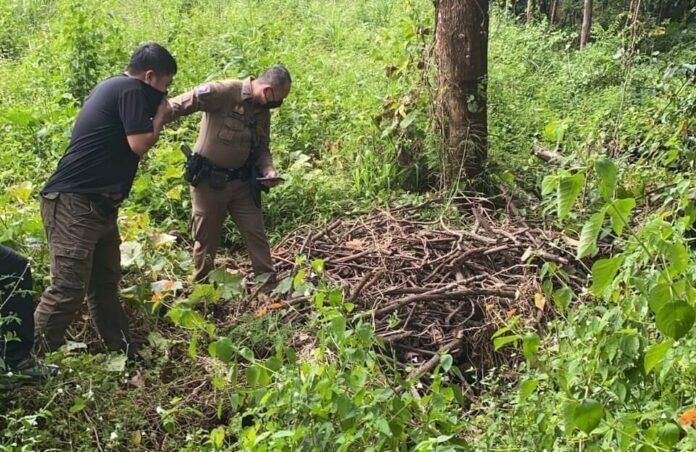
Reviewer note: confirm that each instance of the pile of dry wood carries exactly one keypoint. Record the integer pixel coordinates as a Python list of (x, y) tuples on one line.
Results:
[(429, 285)]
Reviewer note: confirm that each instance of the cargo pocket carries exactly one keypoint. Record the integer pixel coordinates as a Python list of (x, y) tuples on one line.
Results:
[(232, 130), (70, 266), (48, 209)]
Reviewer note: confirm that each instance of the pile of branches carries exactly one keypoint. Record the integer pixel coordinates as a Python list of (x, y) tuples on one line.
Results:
[(431, 286)]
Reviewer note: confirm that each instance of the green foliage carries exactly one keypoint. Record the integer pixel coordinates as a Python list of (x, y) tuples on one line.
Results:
[(613, 371), (617, 369)]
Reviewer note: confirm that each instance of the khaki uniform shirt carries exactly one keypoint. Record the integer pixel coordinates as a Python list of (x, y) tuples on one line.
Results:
[(225, 139)]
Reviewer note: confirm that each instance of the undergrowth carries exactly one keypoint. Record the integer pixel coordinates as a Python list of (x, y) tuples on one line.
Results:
[(615, 368)]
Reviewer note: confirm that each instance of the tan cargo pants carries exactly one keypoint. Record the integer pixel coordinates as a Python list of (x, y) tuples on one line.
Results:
[(210, 208), (85, 265)]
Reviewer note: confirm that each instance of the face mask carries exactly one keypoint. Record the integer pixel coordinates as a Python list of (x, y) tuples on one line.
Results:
[(153, 96), (273, 104)]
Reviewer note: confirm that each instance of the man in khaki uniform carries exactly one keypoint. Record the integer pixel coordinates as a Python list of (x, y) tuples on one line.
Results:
[(234, 137)]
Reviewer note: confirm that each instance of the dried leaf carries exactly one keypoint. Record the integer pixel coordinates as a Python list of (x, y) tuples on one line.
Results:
[(355, 244), (539, 301), (138, 380)]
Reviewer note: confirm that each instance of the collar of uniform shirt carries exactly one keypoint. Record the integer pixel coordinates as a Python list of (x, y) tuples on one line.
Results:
[(246, 88)]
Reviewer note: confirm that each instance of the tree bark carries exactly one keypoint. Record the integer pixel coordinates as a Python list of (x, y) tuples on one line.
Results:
[(530, 10), (461, 49), (554, 11), (635, 7), (586, 23)]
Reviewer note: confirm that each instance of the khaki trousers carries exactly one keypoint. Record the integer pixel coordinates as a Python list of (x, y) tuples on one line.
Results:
[(210, 208), (85, 265)]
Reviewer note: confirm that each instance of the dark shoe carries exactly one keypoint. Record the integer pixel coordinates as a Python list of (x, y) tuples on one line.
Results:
[(33, 371)]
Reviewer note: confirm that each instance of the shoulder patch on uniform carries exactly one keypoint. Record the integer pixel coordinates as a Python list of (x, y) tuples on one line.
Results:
[(203, 89)]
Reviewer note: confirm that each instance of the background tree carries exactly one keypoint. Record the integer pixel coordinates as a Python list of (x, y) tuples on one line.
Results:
[(461, 49), (586, 23)]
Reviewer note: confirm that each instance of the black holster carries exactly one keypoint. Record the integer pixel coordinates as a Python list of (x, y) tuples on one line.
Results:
[(196, 169)]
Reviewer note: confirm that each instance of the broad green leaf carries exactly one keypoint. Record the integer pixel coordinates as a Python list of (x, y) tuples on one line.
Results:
[(338, 326), (183, 316), (629, 344), (530, 345), (562, 298), (513, 322), (679, 259), (299, 278), (284, 286), (383, 426), (446, 362), (408, 119), (589, 234), (229, 282), (20, 117), (116, 364), (655, 355), (569, 188), (217, 437), (675, 319), (668, 434), (21, 191), (204, 292), (500, 342), (659, 296), (527, 388), (318, 265), (549, 184), (132, 254), (253, 374), (555, 131), (606, 172), (246, 353), (193, 344), (587, 415), (78, 405), (603, 273), (222, 349), (620, 213)]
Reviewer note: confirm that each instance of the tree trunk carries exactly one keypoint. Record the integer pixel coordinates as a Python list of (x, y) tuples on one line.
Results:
[(554, 11), (586, 23), (461, 49), (530, 10), (635, 7)]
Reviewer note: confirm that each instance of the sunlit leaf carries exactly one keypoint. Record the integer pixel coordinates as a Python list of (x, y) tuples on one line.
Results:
[(589, 234), (222, 349), (620, 213), (500, 342), (217, 437), (603, 274), (606, 172), (587, 415), (569, 188), (675, 319), (527, 388), (655, 355)]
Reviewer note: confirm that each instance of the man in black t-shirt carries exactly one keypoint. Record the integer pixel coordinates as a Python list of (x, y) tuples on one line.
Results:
[(120, 120)]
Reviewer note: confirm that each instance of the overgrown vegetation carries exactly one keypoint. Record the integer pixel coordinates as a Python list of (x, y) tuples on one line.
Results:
[(614, 367)]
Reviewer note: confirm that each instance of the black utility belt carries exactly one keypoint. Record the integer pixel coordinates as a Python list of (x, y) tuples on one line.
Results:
[(229, 174), (199, 168)]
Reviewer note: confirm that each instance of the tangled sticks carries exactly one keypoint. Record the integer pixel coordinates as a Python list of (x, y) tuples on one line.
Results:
[(430, 287)]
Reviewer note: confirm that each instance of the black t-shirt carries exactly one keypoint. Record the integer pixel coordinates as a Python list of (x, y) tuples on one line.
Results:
[(98, 158)]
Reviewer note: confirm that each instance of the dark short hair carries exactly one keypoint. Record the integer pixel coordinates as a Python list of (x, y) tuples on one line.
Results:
[(152, 56), (276, 76)]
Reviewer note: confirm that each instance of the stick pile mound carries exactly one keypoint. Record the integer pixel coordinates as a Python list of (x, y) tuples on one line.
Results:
[(431, 286)]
